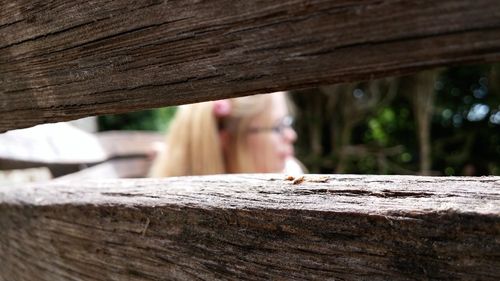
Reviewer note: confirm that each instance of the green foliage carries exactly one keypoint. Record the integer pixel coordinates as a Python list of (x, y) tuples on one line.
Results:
[(147, 120), (390, 133), (465, 125), (467, 136), (381, 126)]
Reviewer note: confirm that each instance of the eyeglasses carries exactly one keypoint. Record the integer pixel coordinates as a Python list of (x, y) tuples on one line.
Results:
[(283, 124)]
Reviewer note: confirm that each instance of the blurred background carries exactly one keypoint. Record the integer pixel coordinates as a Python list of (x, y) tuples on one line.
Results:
[(437, 122), (441, 122)]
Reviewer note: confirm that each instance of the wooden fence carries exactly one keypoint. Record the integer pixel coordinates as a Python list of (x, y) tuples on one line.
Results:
[(61, 60), (74, 58), (253, 227)]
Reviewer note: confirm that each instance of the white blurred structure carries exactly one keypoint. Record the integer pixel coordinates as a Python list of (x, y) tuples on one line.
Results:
[(51, 143), (39, 174), (88, 124)]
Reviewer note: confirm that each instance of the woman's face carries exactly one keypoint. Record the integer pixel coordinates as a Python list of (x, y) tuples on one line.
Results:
[(270, 140)]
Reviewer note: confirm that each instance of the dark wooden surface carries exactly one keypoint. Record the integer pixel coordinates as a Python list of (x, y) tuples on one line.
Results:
[(253, 227), (66, 59)]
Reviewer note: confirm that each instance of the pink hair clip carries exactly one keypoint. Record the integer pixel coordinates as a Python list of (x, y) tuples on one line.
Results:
[(222, 108)]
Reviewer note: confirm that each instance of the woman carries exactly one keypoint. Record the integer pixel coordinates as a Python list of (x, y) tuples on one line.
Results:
[(243, 135)]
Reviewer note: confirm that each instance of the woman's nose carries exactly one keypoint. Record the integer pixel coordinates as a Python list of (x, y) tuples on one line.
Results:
[(290, 135)]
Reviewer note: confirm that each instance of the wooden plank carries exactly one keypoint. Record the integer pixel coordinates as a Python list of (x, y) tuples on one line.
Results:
[(253, 227), (67, 59)]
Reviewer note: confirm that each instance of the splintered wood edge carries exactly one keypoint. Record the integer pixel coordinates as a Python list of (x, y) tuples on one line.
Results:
[(338, 193)]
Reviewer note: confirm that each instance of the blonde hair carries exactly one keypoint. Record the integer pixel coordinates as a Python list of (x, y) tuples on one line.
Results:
[(193, 143)]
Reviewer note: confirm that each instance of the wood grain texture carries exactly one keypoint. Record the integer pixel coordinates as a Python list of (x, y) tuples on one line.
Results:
[(253, 227), (66, 59)]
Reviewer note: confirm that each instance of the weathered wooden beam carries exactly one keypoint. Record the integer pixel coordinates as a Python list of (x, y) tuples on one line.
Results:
[(253, 227), (66, 59)]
